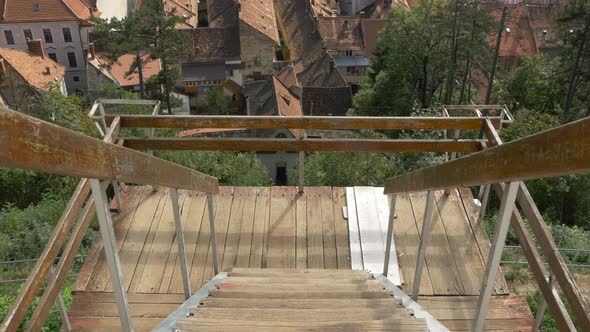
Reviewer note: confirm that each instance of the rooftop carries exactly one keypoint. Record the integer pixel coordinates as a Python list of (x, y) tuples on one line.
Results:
[(16, 11), (260, 15), (33, 68), (118, 71)]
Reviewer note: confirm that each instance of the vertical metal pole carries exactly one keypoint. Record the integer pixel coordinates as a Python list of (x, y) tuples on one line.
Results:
[(422, 247), (542, 307), (102, 120), (456, 135), (493, 263), (484, 201), (111, 254), (117, 195), (180, 241), (212, 228), (389, 234), (301, 171)]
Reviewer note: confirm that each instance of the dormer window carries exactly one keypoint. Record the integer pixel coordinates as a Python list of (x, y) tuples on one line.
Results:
[(36, 7)]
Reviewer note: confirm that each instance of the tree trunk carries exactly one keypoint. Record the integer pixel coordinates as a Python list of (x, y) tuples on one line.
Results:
[(464, 80), (167, 85), (140, 71), (451, 77), (495, 59), (571, 91), (424, 81)]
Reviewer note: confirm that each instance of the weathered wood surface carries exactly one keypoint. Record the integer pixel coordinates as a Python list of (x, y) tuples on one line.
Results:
[(559, 151), (56, 150), (313, 122), (306, 144)]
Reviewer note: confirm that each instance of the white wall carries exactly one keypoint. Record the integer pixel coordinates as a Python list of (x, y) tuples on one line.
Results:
[(112, 8)]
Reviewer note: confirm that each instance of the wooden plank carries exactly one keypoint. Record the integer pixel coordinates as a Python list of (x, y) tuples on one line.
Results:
[(299, 315), (306, 144), (328, 228), (315, 242), (300, 295), (232, 241), (356, 253), (392, 324), (407, 239), (52, 150), (470, 302), (371, 234), (483, 242), (340, 228), (261, 216), (558, 151), (490, 324), (301, 231), (173, 257), (105, 324), (203, 245), (290, 122), (294, 279), (281, 233), (144, 310), (247, 228), (558, 265), (444, 276), (139, 249), (367, 285), (461, 241), (193, 222), (109, 297), (300, 303)]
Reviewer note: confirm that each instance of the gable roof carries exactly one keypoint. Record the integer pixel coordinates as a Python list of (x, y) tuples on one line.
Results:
[(342, 33), (16, 11), (183, 10), (208, 45), (260, 15), (118, 70), (520, 41), (321, 8), (33, 68), (224, 14), (311, 61)]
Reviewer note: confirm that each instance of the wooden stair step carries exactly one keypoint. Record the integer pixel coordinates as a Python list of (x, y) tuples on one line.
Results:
[(230, 293), (296, 271), (289, 315), (298, 280), (286, 273), (300, 303), (370, 285), (197, 324)]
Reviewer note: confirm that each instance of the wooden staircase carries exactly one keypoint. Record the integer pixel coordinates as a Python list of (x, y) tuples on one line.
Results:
[(296, 300)]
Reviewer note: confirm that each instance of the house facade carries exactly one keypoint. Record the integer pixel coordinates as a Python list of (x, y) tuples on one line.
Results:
[(62, 25)]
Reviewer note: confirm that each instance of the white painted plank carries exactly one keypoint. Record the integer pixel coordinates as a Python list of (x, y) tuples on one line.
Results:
[(371, 232), (356, 255), (383, 208)]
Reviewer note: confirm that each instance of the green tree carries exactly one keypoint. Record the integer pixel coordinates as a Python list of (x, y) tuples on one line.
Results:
[(217, 104), (535, 85), (417, 51)]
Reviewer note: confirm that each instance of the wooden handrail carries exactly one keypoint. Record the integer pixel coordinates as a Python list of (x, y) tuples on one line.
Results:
[(306, 144), (29, 143), (306, 122), (559, 151)]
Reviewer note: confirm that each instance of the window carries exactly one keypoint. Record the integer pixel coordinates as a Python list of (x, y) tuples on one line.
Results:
[(52, 56), (9, 37), (348, 53), (67, 35), (36, 7), (229, 72), (76, 79), (28, 34), (72, 59), (47, 35)]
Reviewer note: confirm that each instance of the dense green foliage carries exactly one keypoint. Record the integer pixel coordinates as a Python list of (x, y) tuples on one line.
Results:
[(231, 168)]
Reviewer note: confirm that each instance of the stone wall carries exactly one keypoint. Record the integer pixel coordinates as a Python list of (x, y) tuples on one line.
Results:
[(257, 52)]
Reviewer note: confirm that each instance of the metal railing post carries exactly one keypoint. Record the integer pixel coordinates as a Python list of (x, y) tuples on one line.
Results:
[(493, 263), (389, 235), (422, 246), (180, 241), (61, 307), (212, 228), (110, 249), (542, 307)]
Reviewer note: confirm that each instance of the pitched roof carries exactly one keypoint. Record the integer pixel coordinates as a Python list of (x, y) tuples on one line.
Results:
[(326, 101), (518, 39), (321, 9), (33, 68), (342, 33), (380, 8), (371, 28), (183, 10), (208, 45), (119, 69), (224, 14), (260, 14), (15, 11), (311, 62)]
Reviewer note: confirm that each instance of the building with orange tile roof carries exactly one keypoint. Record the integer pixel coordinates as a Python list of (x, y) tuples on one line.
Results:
[(24, 74)]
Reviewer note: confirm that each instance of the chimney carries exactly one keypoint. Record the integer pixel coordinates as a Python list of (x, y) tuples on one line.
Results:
[(47, 70), (36, 47), (91, 51)]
